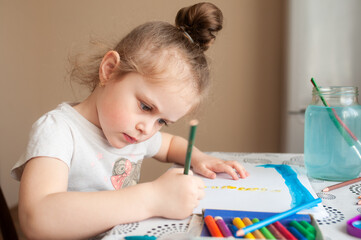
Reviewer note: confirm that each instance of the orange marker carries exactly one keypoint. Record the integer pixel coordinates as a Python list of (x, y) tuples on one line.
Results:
[(212, 226), (256, 233)]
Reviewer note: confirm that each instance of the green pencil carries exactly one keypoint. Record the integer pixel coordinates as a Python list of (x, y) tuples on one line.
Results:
[(192, 133)]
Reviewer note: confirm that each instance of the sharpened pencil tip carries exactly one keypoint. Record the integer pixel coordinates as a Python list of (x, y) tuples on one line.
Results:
[(194, 122), (240, 233), (325, 190)]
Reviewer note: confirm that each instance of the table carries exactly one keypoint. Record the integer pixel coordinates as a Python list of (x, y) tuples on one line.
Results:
[(340, 205)]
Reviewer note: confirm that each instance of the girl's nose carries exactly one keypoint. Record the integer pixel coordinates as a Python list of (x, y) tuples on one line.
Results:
[(144, 127)]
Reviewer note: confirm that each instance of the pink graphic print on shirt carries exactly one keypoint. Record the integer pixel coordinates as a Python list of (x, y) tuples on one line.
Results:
[(125, 173)]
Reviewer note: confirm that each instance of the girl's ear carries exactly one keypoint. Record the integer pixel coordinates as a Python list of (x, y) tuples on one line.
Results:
[(108, 66)]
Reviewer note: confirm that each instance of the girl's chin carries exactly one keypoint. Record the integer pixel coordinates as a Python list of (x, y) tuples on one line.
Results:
[(118, 144)]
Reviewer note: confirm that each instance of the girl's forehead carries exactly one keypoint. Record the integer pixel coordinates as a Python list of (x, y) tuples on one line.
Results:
[(180, 90), (173, 98)]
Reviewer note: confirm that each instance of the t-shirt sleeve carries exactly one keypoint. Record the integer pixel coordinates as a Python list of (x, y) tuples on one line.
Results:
[(50, 136), (153, 145)]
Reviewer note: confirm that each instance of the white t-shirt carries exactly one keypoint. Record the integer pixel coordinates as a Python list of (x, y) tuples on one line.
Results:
[(94, 165)]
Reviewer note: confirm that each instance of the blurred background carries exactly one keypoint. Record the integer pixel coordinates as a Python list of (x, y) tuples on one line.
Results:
[(262, 62)]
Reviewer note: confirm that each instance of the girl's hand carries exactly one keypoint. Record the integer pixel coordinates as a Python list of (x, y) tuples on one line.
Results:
[(176, 194), (208, 166)]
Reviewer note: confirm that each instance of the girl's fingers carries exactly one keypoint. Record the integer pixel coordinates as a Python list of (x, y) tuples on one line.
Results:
[(241, 170), (201, 194), (200, 184), (230, 170), (207, 172), (233, 168)]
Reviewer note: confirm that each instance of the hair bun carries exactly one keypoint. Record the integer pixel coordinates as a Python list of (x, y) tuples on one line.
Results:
[(201, 21)]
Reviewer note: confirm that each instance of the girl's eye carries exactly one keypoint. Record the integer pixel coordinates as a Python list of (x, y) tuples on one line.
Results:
[(145, 107), (162, 122)]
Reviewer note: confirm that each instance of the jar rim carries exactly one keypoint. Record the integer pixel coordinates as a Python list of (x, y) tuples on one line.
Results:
[(335, 90)]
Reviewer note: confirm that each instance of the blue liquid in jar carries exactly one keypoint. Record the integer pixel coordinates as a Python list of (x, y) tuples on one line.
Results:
[(327, 154)]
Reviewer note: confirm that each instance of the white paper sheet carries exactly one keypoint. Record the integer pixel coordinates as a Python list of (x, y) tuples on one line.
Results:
[(264, 190)]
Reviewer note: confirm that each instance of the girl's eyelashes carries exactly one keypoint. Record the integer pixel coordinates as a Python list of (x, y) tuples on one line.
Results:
[(162, 122), (145, 107)]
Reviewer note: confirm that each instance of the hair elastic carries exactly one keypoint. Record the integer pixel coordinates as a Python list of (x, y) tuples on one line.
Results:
[(186, 34)]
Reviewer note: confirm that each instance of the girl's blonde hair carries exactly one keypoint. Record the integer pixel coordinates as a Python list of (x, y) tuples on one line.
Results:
[(151, 48)]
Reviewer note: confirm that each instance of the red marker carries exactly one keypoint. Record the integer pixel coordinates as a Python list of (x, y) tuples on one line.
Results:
[(277, 234), (287, 234)]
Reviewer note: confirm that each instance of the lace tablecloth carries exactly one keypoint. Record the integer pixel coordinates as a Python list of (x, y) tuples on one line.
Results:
[(340, 205)]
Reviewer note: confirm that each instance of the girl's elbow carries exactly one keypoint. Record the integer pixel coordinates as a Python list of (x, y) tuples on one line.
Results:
[(32, 225)]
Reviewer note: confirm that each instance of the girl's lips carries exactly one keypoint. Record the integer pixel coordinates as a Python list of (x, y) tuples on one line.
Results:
[(129, 139)]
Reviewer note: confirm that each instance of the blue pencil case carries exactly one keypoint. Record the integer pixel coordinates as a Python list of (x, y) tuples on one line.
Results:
[(228, 216)]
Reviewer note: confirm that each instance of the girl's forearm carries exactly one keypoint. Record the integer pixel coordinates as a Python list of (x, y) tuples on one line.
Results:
[(178, 150), (76, 215)]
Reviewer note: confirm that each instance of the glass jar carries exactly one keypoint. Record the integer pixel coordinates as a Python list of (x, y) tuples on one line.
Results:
[(332, 149)]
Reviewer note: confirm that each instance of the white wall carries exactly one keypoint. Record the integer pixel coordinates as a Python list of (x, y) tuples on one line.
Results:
[(323, 42)]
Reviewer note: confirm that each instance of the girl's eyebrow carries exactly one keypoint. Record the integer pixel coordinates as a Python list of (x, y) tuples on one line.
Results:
[(153, 106)]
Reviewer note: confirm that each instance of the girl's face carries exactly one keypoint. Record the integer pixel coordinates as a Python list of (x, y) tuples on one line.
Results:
[(132, 109)]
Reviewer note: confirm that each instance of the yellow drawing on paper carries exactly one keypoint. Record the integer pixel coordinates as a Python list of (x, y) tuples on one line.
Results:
[(254, 189)]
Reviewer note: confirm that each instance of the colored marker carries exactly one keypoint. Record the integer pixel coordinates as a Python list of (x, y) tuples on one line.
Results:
[(302, 230), (233, 229), (308, 227), (256, 233), (264, 230), (192, 133), (277, 234), (276, 217), (212, 226), (284, 231), (240, 224), (223, 227), (296, 233), (145, 237)]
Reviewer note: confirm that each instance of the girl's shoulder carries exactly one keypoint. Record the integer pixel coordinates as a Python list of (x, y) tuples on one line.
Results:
[(58, 117), (65, 116)]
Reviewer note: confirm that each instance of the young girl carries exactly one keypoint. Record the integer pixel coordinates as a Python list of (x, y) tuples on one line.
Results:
[(80, 153)]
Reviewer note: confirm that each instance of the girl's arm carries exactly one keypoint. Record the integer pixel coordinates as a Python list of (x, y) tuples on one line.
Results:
[(48, 211), (174, 149)]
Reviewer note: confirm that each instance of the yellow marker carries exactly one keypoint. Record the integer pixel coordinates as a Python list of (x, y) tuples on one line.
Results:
[(239, 224), (256, 233)]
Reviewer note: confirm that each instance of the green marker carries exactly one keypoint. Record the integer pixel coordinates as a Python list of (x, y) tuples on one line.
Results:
[(308, 227), (187, 165), (266, 233), (302, 230)]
